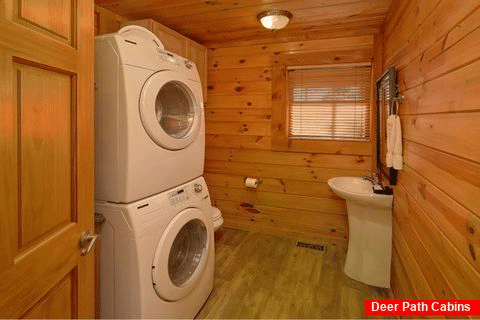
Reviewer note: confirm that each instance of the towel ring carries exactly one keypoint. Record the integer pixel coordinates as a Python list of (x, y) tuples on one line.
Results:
[(395, 104)]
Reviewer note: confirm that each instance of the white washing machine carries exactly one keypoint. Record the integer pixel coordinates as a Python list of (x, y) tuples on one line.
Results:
[(149, 117), (157, 254)]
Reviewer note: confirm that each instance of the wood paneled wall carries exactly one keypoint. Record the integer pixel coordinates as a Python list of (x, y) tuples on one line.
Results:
[(106, 21), (294, 198), (436, 227)]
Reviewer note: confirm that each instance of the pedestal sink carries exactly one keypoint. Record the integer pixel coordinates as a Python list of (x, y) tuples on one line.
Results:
[(370, 230)]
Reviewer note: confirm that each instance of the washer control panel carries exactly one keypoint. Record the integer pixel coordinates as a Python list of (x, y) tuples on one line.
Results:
[(178, 196), (185, 194), (147, 214)]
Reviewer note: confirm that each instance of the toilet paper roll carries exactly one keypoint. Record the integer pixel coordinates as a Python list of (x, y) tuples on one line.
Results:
[(252, 182)]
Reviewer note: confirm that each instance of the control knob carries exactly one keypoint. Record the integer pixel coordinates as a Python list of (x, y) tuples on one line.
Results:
[(188, 64), (197, 187)]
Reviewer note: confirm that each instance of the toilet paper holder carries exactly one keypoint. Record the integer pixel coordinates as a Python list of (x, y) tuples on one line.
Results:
[(252, 182)]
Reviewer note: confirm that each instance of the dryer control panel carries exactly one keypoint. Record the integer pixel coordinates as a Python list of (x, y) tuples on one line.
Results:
[(169, 57)]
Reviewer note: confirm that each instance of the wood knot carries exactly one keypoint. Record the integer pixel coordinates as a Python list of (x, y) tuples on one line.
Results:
[(472, 252), (422, 189), (471, 229), (239, 89), (246, 205)]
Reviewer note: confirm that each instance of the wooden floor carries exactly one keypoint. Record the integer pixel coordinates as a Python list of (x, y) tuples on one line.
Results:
[(264, 276)]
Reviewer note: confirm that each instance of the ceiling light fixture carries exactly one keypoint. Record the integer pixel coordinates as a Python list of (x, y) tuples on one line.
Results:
[(274, 19)]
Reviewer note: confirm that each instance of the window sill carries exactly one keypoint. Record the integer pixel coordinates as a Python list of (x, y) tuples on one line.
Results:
[(280, 143)]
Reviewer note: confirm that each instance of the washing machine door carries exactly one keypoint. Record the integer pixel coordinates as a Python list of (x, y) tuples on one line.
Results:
[(182, 254), (171, 108)]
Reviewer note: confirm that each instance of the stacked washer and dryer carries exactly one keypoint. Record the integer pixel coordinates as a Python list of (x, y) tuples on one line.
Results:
[(156, 249)]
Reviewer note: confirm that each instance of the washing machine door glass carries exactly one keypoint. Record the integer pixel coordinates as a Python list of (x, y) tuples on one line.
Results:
[(181, 254), (186, 252), (171, 109)]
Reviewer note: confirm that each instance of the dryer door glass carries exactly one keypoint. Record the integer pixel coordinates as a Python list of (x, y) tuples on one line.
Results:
[(174, 109), (171, 109), (186, 251)]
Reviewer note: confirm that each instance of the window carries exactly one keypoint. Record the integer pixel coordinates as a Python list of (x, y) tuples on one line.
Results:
[(322, 102), (331, 103)]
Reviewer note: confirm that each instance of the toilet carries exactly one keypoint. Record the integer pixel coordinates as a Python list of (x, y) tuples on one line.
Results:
[(217, 218)]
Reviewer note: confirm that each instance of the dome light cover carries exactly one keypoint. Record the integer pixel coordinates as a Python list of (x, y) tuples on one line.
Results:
[(274, 19)]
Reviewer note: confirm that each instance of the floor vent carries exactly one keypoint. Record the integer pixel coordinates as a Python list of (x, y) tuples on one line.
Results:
[(314, 246)]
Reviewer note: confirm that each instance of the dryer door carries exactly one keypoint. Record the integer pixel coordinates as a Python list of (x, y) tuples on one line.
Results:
[(171, 109), (182, 254)]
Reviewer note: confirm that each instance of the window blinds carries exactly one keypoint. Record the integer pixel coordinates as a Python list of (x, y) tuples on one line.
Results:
[(329, 102)]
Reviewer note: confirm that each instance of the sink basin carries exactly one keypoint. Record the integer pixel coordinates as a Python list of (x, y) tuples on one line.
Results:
[(357, 189)]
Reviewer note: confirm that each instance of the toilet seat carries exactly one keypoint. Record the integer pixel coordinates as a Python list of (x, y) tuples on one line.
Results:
[(217, 218)]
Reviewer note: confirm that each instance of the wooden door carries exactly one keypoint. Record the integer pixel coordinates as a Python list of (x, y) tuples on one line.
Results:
[(46, 158)]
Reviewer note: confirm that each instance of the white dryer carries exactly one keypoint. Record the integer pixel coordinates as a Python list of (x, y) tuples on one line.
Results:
[(157, 254), (149, 117)]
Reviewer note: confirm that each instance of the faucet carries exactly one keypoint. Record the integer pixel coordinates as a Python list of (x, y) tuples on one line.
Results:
[(373, 179)]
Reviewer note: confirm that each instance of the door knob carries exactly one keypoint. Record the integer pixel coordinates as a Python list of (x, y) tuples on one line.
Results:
[(87, 241)]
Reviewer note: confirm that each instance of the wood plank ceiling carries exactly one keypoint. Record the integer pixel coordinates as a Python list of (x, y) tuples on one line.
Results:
[(226, 22)]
